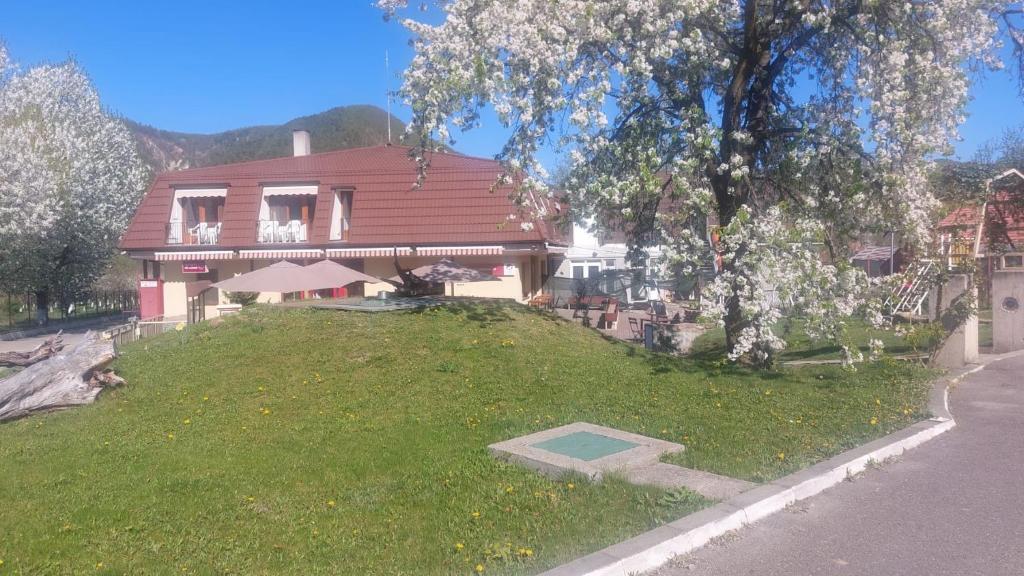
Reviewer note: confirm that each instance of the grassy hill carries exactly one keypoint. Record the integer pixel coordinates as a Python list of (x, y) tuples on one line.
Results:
[(337, 128), (294, 441)]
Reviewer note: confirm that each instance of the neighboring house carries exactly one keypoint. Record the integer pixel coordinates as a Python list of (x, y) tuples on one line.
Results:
[(992, 232), (879, 260), (354, 206), (601, 260)]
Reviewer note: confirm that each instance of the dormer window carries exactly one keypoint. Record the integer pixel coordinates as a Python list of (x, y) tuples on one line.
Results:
[(196, 216), (341, 215), (286, 214)]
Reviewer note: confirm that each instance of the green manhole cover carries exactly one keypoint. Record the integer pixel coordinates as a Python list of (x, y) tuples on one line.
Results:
[(585, 445)]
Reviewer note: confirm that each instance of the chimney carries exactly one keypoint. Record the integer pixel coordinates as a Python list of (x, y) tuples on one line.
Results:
[(300, 143)]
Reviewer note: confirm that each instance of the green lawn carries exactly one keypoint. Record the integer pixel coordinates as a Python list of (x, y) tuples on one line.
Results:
[(800, 347), (321, 442)]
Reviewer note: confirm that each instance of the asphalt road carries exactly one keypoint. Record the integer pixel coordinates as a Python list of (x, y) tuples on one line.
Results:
[(954, 506), (72, 335)]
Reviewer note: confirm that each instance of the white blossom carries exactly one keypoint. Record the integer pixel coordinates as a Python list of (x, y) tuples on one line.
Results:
[(70, 177), (669, 104)]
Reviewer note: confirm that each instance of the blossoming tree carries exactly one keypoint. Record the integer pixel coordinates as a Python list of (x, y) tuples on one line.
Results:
[(70, 177), (793, 126)]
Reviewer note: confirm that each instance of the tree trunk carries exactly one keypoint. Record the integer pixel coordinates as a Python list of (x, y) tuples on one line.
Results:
[(70, 378), (42, 307), (45, 350)]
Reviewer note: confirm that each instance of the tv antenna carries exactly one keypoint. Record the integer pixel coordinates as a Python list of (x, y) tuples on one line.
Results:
[(387, 92)]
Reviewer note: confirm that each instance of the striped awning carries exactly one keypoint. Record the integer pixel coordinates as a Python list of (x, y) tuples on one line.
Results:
[(462, 251), (406, 251), (205, 255), (280, 254), (367, 252)]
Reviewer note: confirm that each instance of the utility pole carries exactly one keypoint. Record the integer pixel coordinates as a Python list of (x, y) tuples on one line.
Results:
[(387, 91)]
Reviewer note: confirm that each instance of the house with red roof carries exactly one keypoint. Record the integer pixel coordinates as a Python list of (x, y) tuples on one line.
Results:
[(356, 206), (992, 231)]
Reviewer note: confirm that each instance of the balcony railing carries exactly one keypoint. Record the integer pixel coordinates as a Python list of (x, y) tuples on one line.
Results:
[(274, 232), (186, 233)]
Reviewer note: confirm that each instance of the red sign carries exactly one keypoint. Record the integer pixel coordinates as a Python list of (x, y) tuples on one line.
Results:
[(194, 267)]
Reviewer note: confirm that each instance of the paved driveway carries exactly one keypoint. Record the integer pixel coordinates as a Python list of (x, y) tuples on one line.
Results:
[(72, 336), (954, 506)]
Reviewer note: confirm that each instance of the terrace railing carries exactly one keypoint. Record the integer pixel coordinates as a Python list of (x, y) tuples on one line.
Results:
[(290, 232), (186, 233)]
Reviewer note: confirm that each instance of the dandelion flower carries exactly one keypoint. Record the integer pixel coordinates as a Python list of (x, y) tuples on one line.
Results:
[(331, 503), (570, 485), (873, 421), (782, 455), (459, 546), (479, 568), (170, 436), (186, 421)]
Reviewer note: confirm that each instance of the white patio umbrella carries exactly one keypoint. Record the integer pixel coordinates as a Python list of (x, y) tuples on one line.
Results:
[(279, 277), (329, 274), (447, 271), (285, 276)]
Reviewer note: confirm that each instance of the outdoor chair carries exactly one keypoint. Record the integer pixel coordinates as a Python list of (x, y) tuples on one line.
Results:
[(267, 229), (294, 231), (610, 316), (659, 314), (634, 328), (197, 233)]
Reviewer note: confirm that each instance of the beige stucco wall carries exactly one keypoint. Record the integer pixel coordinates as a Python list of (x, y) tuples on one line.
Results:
[(1007, 321)]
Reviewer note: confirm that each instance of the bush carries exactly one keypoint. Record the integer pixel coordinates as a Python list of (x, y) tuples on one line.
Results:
[(243, 298)]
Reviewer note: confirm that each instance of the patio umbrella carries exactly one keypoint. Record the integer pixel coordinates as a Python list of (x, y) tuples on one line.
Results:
[(329, 274), (287, 277), (447, 270), (279, 277)]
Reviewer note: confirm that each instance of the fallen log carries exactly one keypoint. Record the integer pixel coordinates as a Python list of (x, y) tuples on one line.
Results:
[(48, 348), (69, 378)]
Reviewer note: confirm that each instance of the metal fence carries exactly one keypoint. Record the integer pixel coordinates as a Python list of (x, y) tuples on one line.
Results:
[(20, 310), (137, 330)]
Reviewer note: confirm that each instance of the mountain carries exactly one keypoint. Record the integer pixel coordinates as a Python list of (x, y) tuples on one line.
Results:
[(337, 128)]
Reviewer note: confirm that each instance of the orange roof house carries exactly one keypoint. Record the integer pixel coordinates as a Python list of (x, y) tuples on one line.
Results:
[(357, 206), (992, 229)]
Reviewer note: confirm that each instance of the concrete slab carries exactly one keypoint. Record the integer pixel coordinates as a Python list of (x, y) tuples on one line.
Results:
[(706, 484), (529, 451)]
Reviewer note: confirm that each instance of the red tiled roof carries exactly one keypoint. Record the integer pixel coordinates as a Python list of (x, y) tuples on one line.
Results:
[(455, 205), (1004, 216)]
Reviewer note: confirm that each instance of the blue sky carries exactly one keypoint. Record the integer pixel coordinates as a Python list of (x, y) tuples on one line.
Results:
[(210, 66)]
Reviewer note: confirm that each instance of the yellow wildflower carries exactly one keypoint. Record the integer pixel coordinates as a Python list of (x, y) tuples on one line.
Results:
[(459, 545), (570, 485), (331, 503), (186, 421), (782, 455), (170, 436), (873, 421), (479, 568)]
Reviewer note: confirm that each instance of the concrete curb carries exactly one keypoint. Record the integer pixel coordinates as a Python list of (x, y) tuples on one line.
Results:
[(656, 547)]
